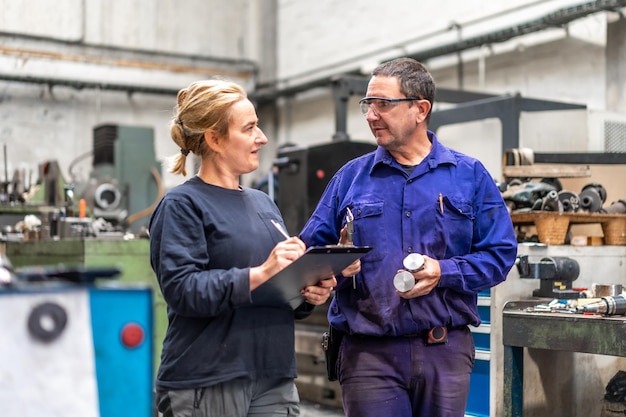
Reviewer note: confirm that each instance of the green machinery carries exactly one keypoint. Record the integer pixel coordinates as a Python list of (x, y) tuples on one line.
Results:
[(122, 189), (131, 256), (125, 181)]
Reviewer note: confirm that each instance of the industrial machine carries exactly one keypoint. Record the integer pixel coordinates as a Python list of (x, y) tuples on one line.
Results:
[(304, 173), (95, 338), (125, 182), (123, 187), (73, 345), (555, 275)]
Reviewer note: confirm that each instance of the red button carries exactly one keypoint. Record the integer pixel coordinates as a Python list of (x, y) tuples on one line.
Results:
[(132, 335)]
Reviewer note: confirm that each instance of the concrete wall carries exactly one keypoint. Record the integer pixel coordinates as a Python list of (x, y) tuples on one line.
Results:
[(567, 64), (616, 67), (162, 44), (124, 48)]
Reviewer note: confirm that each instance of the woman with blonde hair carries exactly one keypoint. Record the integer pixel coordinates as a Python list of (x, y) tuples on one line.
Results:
[(212, 242)]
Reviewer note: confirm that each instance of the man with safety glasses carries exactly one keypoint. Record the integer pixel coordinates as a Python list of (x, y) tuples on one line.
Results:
[(409, 351)]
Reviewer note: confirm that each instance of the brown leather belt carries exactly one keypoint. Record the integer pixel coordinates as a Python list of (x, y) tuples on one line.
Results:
[(436, 335)]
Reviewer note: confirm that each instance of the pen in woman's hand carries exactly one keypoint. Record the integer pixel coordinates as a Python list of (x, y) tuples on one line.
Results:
[(280, 228)]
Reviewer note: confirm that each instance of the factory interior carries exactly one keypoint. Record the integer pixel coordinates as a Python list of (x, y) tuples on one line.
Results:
[(534, 89)]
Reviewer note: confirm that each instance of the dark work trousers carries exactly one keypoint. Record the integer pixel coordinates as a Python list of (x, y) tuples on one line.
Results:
[(405, 377), (238, 398)]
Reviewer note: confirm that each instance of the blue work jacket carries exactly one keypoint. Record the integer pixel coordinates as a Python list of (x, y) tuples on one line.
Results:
[(449, 208)]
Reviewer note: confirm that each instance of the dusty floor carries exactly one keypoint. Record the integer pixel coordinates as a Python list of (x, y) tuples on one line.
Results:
[(308, 409)]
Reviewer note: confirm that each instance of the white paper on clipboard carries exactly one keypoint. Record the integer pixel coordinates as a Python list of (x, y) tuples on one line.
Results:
[(317, 263)]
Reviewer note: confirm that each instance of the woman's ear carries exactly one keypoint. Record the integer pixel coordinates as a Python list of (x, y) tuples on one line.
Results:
[(212, 140)]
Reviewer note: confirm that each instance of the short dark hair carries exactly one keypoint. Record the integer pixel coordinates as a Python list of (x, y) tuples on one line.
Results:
[(415, 80)]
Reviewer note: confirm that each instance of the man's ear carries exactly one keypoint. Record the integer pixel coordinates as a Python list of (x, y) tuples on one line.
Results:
[(424, 108)]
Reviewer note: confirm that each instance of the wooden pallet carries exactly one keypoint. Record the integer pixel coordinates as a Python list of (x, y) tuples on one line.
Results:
[(552, 227)]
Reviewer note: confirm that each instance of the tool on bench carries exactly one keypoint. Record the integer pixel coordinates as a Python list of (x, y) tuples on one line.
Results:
[(556, 275), (608, 306)]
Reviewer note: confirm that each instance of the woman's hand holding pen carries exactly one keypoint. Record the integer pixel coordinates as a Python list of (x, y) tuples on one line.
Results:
[(426, 279), (283, 254)]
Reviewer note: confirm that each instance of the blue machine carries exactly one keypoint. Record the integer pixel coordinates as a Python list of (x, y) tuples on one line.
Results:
[(75, 348)]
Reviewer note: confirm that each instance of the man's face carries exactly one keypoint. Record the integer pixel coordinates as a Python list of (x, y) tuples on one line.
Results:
[(394, 126)]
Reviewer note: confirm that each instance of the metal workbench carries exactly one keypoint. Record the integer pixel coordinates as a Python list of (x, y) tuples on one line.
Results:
[(552, 331)]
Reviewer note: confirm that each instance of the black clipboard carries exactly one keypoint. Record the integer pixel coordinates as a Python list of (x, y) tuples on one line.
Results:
[(317, 263)]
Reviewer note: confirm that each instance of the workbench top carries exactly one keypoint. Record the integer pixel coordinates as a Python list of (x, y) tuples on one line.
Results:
[(572, 332)]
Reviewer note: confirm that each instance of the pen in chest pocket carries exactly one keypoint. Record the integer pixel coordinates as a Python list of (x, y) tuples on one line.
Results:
[(441, 203)]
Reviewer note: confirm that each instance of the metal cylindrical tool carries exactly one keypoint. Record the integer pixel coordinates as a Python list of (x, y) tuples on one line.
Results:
[(551, 202), (616, 207), (404, 280), (592, 197), (569, 201), (606, 290), (413, 262), (608, 306)]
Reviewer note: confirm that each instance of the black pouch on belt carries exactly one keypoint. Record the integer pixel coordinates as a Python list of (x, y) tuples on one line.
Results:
[(331, 342)]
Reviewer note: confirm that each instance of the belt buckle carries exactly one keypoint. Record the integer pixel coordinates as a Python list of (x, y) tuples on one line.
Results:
[(437, 335)]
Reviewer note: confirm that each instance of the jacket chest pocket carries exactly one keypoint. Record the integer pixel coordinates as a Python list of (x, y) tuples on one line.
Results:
[(455, 220), (369, 228)]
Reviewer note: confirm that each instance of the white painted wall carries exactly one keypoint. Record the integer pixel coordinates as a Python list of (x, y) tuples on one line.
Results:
[(138, 43), (560, 65), (167, 44)]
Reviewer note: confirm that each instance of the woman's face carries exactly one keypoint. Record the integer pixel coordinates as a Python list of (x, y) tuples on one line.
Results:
[(244, 139)]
